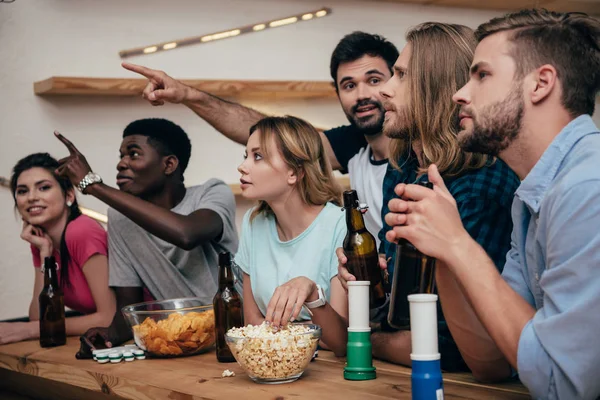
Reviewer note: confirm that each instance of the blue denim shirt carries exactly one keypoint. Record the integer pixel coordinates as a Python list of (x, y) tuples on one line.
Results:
[(554, 264)]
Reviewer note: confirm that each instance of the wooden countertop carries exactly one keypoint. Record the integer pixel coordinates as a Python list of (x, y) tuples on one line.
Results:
[(23, 365)]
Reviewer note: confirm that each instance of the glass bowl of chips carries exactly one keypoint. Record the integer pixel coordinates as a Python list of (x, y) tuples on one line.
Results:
[(272, 356), (172, 328)]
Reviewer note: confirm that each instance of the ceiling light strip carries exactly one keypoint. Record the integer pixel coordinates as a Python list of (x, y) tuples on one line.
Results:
[(211, 37)]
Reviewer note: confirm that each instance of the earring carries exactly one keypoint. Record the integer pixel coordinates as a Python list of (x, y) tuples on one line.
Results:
[(69, 203)]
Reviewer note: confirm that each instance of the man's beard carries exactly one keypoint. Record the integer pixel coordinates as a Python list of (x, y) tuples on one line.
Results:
[(496, 126), (368, 126), (401, 128)]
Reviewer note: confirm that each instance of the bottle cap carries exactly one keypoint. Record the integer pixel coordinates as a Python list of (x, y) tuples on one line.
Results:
[(115, 357), (225, 258), (425, 183), (363, 208), (350, 199), (48, 263)]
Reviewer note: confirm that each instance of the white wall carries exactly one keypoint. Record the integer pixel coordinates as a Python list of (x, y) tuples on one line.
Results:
[(42, 38)]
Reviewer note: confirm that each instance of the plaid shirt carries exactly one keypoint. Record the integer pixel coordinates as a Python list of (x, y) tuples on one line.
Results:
[(484, 198)]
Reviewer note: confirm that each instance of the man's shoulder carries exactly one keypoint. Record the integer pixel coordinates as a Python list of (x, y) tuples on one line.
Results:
[(345, 141), (212, 191), (343, 129), (400, 174), (213, 184), (581, 163), (578, 174), (116, 218), (495, 180)]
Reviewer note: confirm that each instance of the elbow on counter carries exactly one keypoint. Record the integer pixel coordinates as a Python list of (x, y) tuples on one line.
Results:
[(341, 352), (491, 373)]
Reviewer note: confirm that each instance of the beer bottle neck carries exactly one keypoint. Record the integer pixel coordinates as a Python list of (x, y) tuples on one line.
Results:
[(50, 274), (225, 276), (354, 219), (50, 277)]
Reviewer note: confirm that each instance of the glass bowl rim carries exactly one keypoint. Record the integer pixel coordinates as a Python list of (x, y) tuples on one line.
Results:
[(129, 308)]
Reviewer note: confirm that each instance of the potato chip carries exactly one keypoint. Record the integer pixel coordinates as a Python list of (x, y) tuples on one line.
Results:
[(178, 334)]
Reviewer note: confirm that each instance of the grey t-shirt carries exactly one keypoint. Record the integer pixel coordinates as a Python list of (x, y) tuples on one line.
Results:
[(138, 258)]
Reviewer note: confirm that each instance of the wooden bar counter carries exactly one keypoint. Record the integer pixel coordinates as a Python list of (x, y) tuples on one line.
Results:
[(29, 372)]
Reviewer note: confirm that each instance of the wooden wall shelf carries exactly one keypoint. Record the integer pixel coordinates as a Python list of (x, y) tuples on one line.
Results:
[(586, 6), (344, 181), (274, 90)]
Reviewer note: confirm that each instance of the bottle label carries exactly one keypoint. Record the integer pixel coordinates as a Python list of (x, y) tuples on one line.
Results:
[(439, 394)]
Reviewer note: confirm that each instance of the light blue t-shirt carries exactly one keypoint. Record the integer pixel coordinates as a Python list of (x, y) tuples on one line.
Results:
[(270, 262)]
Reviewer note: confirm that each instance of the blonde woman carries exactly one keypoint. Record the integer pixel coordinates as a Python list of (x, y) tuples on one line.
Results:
[(288, 241)]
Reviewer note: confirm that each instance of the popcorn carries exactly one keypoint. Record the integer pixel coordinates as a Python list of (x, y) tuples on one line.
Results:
[(270, 353), (227, 373)]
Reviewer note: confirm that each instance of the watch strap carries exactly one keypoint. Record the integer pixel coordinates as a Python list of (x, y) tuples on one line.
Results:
[(319, 302)]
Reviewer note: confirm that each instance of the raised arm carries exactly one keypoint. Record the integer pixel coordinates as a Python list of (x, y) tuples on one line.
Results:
[(185, 231), (231, 119)]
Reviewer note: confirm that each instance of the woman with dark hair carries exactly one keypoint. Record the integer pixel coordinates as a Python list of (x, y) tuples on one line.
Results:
[(54, 226)]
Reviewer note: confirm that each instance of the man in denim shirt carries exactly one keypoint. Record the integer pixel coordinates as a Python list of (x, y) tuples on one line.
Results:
[(534, 79)]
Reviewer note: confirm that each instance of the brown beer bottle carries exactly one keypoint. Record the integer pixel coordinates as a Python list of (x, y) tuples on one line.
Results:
[(228, 308), (414, 272), (361, 250), (52, 308)]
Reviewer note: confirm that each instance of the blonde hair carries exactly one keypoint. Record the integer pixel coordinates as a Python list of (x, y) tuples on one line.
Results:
[(302, 150), (439, 66)]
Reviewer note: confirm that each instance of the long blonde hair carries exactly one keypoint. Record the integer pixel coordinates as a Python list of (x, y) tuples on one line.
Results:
[(439, 66), (302, 150)]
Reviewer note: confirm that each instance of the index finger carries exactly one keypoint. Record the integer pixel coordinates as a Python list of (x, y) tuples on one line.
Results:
[(272, 304), (72, 149), (138, 69)]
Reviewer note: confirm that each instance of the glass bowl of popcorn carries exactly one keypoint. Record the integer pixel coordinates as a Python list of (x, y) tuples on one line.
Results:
[(270, 355), (172, 328)]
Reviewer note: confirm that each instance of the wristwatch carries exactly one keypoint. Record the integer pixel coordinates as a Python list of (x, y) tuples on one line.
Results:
[(88, 180), (320, 302)]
